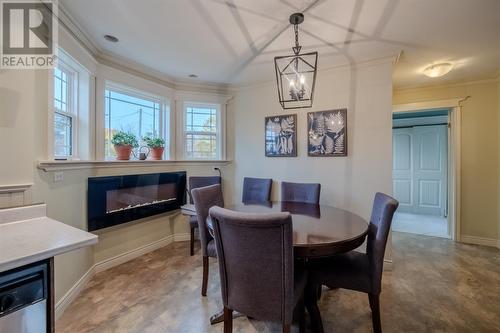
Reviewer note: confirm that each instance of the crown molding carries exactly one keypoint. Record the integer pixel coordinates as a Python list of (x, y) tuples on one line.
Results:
[(150, 74), (448, 85), (129, 66), (76, 30)]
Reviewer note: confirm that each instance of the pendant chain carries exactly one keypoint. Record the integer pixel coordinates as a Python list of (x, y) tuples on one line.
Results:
[(296, 28)]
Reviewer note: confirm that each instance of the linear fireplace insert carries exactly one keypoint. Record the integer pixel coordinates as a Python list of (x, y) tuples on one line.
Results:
[(120, 199)]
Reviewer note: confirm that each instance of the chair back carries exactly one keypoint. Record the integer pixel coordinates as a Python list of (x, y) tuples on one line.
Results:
[(205, 198), (300, 192), (383, 210), (255, 254), (201, 181), (256, 189)]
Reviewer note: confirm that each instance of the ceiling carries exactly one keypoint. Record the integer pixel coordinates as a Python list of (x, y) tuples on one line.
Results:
[(235, 41)]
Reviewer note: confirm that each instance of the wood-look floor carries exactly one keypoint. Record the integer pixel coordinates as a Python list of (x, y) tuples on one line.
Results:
[(435, 285)]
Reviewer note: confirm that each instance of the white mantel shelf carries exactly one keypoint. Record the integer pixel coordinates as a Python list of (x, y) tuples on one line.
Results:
[(27, 235), (78, 165)]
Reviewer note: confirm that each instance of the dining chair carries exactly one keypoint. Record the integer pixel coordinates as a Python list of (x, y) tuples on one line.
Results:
[(256, 189), (355, 270), (300, 192), (204, 198), (195, 182), (256, 265)]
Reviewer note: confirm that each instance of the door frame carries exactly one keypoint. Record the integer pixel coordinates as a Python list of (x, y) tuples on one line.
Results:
[(454, 153)]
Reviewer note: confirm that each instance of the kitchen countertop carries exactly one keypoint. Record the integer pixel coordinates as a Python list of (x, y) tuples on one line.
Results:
[(27, 235)]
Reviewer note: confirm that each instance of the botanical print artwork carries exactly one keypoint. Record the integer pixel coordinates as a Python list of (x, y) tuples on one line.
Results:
[(327, 134), (281, 136)]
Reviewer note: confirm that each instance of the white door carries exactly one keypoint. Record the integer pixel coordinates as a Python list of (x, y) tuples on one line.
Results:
[(420, 166), (402, 168)]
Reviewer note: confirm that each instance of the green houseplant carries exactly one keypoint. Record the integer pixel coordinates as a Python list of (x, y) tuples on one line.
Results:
[(157, 146), (123, 143)]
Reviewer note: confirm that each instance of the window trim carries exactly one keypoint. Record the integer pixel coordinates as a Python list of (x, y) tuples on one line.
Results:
[(72, 110), (218, 135), (164, 115)]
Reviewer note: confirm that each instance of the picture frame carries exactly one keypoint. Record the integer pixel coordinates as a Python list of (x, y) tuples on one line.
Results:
[(327, 133), (280, 136)]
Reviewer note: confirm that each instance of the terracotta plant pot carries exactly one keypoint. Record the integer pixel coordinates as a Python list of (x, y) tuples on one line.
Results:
[(123, 152), (157, 153)]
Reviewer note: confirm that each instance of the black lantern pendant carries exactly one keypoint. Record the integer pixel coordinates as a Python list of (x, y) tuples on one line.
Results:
[(296, 74)]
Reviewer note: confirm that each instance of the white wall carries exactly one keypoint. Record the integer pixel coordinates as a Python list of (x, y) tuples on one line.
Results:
[(24, 110), (347, 182)]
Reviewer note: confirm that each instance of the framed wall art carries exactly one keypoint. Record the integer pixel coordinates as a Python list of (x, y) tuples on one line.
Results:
[(281, 136), (327, 133)]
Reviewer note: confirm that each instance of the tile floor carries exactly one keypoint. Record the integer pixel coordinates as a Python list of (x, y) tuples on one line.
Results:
[(421, 224), (435, 285)]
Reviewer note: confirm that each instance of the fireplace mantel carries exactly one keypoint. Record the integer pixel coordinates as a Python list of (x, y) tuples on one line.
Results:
[(78, 164)]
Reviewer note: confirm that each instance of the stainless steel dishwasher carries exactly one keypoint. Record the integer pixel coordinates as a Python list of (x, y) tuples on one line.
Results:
[(23, 299)]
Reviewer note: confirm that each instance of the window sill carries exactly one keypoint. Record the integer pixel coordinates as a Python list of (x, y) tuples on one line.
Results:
[(78, 165)]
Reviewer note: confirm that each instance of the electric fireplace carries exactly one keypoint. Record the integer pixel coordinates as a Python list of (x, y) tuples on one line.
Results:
[(120, 199)]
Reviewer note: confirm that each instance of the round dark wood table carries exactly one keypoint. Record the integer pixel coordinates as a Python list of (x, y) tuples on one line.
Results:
[(318, 230)]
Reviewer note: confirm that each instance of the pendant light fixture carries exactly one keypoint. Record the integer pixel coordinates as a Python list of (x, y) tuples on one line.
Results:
[(296, 74)]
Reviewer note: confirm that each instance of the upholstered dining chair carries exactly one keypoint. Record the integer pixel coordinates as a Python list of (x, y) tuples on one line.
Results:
[(256, 265), (300, 192), (256, 189), (204, 198), (354, 270), (195, 182)]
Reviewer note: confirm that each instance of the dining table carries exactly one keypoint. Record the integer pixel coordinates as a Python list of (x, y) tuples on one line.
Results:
[(318, 230)]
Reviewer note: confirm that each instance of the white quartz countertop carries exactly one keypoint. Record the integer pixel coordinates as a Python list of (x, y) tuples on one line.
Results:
[(27, 236)]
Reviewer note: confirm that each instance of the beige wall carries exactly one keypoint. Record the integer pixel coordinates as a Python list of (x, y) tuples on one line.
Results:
[(480, 151), (348, 182), (23, 142), (498, 161)]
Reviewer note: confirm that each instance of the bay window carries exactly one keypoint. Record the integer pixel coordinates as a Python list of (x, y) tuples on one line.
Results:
[(133, 112), (65, 116), (202, 131)]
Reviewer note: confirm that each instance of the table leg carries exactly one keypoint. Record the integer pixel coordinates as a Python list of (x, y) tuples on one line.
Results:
[(311, 298), (218, 317)]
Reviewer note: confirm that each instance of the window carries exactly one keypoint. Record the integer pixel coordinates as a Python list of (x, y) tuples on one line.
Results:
[(64, 113), (134, 113), (201, 131)]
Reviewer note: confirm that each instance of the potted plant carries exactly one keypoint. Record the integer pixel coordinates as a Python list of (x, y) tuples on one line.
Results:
[(157, 146), (123, 143)]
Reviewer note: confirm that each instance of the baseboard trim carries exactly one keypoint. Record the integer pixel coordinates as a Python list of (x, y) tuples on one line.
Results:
[(77, 288), (132, 254), (182, 237), (73, 292), (480, 241)]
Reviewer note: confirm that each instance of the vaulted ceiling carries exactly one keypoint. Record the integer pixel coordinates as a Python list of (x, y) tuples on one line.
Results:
[(235, 41)]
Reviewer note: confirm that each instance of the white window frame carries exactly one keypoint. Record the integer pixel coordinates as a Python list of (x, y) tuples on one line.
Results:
[(71, 109), (218, 135), (164, 114)]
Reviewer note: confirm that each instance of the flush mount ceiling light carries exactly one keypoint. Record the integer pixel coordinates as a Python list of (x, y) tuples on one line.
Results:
[(111, 38), (438, 70), (296, 74), (193, 76)]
